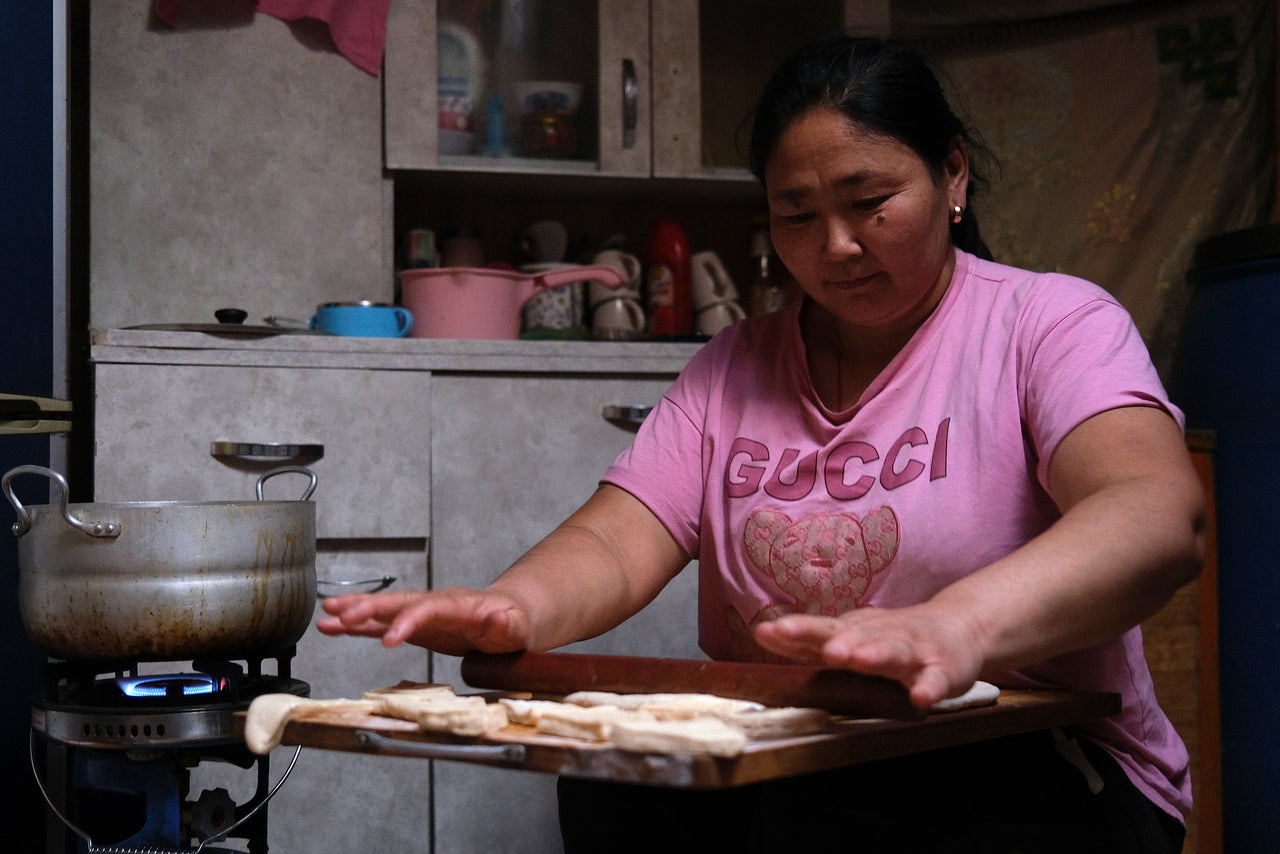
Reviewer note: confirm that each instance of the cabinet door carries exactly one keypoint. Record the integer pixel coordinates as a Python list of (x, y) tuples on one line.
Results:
[(668, 85), (711, 59), (335, 801), (156, 426), (338, 801), (511, 458), (460, 94)]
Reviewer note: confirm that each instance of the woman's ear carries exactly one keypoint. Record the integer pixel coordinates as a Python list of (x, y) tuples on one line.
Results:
[(955, 173)]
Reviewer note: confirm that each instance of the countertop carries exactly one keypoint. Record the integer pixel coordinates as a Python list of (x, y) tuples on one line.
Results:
[(148, 346)]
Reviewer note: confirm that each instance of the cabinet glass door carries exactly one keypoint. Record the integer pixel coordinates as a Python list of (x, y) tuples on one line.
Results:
[(520, 82), (711, 59)]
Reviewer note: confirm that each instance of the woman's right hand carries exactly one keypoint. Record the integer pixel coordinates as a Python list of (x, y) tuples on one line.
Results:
[(452, 621)]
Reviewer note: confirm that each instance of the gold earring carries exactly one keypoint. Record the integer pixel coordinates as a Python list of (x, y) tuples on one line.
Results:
[(957, 213)]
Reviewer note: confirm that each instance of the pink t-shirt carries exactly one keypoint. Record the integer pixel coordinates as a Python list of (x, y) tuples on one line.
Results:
[(938, 470)]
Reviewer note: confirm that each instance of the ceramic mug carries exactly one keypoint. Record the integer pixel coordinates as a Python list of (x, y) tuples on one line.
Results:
[(363, 319), (557, 312), (715, 297), (616, 312)]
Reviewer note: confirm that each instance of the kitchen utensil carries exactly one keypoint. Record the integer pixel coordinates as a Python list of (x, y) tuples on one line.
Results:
[(227, 330), (841, 692), (469, 302), (231, 324), (556, 312), (341, 587), (715, 297), (555, 97), (165, 580), (616, 313), (363, 319)]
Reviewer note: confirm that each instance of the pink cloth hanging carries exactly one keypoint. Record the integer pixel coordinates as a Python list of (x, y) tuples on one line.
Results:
[(358, 27)]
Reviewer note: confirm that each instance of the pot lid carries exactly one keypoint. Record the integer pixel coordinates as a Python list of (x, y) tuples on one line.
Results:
[(231, 323), (233, 330)]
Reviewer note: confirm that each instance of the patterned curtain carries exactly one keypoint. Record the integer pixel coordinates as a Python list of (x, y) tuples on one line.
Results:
[(1125, 133)]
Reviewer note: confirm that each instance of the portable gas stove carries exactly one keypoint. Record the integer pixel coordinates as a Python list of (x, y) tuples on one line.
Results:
[(120, 746)]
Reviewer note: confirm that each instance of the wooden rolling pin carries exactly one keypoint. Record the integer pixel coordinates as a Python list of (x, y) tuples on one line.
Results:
[(841, 692)]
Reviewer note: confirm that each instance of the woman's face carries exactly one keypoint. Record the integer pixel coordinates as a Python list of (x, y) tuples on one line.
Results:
[(861, 221)]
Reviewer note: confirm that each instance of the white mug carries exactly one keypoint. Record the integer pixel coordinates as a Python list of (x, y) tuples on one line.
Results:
[(627, 265), (616, 312), (715, 297)]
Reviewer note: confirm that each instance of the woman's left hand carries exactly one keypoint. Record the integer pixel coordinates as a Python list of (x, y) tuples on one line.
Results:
[(927, 648)]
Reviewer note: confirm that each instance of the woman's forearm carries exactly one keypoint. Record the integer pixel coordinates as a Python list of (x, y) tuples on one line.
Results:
[(603, 564), (1110, 562)]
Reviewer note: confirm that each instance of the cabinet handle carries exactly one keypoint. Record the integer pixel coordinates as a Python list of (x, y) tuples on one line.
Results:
[(626, 417), (273, 451), (630, 103)]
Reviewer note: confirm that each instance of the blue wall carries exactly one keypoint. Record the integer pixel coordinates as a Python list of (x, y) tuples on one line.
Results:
[(26, 357)]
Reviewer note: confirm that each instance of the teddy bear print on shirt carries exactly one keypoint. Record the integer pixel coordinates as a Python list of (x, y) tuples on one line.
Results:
[(824, 563)]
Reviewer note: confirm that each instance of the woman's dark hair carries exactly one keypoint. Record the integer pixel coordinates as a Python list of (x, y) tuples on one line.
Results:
[(878, 84)]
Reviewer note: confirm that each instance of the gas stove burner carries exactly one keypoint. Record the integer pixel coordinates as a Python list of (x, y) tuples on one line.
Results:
[(112, 705), (127, 749), (169, 685)]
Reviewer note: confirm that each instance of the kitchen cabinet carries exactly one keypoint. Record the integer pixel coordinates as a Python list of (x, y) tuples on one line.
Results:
[(666, 84), (512, 456), (698, 67), (364, 433), (442, 462)]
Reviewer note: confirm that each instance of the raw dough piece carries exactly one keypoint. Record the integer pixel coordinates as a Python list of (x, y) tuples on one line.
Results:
[(407, 687), (593, 723), (698, 735), (408, 704), (269, 714), (267, 717), (979, 694), (780, 722), (437, 708), (461, 716), (608, 698), (755, 719), (312, 709), (676, 707), (666, 706), (527, 712)]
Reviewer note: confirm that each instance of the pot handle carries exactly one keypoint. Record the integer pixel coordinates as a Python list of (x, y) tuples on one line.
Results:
[(602, 273), (283, 470), (105, 530)]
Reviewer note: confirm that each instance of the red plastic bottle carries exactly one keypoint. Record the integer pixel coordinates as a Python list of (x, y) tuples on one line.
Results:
[(669, 292)]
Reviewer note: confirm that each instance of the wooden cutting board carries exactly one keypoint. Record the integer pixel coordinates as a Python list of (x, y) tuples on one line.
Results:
[(846, 741)]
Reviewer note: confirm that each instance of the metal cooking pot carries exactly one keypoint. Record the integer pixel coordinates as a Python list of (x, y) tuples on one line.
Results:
[(165, 580)]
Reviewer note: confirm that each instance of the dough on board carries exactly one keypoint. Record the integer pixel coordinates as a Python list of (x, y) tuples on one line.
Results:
[(979, 694)]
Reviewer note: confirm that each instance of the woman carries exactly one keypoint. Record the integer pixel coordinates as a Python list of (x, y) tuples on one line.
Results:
[(934, 468)]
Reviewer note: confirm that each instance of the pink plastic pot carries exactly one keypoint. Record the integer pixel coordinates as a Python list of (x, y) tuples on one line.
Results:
[(475, 302)]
